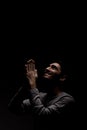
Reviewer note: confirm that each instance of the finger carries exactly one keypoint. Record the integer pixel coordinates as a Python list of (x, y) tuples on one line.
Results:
[(26, 66), (36, 74), (31, 65), (29, 68)]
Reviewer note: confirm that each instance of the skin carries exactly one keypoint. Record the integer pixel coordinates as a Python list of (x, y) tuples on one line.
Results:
[(52, 70), (31, 73)]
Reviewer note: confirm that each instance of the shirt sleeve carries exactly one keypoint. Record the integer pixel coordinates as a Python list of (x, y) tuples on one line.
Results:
[(56, 108), (18, 104)]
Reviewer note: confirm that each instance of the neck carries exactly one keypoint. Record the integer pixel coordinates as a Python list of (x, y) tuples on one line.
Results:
[(54, 91), (57, 91), (51, 87)]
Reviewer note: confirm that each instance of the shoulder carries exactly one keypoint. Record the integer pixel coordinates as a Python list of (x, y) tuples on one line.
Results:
[(64, 95), (66, 98)]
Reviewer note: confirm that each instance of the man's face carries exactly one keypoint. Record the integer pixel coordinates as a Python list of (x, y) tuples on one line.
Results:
[(52, 70)]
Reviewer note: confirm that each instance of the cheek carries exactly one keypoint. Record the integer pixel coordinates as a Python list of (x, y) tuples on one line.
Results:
[(54, 73)]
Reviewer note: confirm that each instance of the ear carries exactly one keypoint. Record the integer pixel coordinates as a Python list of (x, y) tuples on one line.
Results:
[(63, 78)]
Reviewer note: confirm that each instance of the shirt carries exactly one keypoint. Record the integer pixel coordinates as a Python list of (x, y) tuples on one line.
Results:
[(49, 113)]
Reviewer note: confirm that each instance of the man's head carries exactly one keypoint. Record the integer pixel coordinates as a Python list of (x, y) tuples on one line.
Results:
[(55, 73), (54, 69)]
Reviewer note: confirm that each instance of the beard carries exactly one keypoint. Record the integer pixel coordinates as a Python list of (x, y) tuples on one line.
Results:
[(48, 85)]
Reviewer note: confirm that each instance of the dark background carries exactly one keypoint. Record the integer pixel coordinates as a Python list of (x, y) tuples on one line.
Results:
[(12, 75), (43, 37)]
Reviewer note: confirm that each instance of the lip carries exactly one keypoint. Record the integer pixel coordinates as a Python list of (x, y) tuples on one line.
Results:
[(47, 74)]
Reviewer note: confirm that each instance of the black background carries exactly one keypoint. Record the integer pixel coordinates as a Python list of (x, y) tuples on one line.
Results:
[(12, 75), (44, 38)]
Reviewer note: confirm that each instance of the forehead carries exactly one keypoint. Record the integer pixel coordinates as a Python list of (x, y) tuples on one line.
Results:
[(56, 64)]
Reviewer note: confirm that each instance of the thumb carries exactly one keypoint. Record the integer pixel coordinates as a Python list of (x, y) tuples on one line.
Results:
[(36, 74)]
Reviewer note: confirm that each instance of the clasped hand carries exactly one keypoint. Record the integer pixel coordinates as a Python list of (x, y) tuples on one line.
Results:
[(31, 73)]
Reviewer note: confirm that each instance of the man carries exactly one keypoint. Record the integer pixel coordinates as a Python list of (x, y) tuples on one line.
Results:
[(51, 109)]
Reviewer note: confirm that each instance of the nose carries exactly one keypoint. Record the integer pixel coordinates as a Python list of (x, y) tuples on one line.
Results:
[(47, 69)]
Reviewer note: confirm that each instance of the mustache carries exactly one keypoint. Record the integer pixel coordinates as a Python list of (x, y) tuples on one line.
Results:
[(47, 71)]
